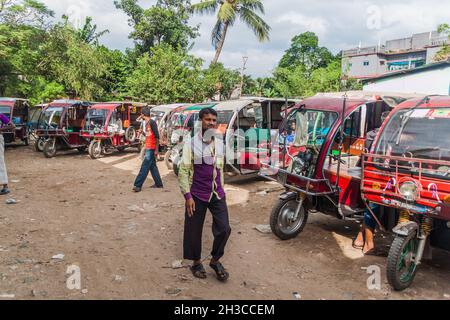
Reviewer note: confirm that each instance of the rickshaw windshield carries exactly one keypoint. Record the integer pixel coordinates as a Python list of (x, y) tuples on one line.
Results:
[(95, 118), (307, 127), (224, 117), (419, 133), (6, 111), (157, 115), (51, 117)]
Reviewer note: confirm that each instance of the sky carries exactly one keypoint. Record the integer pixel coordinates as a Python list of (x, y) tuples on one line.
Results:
[(340, 25)]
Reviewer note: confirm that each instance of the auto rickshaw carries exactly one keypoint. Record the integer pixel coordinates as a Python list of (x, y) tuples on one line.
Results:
[(318, 157), (182, 123), (17, 112), (112, 126), (60, 125), (408, 168), (162, 115), (247, 125)]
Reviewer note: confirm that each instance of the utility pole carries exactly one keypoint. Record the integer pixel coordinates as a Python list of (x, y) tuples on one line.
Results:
[(244, 63)]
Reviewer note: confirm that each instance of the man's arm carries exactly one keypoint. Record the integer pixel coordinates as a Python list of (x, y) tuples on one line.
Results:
[(154, 128), (185, 169)]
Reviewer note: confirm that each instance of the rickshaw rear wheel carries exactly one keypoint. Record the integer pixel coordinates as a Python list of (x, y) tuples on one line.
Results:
[(49, 148), (281, 221), (95, 149), (401, 268), (39, 145)]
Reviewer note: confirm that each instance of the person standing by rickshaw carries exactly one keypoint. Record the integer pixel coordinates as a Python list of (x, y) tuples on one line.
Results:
[(4, 121), (151, 152), (364, 239)]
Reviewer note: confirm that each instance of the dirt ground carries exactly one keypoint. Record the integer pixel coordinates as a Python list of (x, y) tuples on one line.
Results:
[(125, 243)]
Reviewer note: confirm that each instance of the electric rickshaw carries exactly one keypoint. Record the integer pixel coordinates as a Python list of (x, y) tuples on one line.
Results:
[(318, 157), (17, 112), (60, 125), (112, 126), (408, 169), (182, 124), (247, 125)]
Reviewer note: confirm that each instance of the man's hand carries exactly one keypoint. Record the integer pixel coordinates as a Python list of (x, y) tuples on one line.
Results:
[(190, 207)]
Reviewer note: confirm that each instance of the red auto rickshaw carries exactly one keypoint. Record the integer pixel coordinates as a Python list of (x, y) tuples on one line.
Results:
[(60, 125), (113, 126), (320, 145), (16, 110), (408, 168)]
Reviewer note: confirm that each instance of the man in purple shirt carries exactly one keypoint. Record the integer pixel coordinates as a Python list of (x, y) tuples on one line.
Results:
[(201, 182), (4, 121)]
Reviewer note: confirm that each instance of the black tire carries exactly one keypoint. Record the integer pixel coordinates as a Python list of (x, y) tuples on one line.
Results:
[(130, 134), (26, 142), (121, 149), (279, 218), (49, 148), (81, 149), (39, 145), (397, 279), (95, 149), (168, 160)]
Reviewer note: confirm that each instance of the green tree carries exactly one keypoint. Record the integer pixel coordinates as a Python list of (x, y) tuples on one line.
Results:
[(305, 51), (167, 75), (227, 13), (219, 81), (167, 22), (444, 53), (88, 32), (25, 12), (79, 66)]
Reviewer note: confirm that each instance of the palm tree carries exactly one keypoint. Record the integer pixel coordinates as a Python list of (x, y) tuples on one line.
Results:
[(228, 11)]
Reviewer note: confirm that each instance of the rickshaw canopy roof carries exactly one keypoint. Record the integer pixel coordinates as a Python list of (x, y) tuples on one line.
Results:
[(390, 98), (435, 101), (198, 107), (237, 105), (169, 107), (68, 103), (134, 104), (11, 101)]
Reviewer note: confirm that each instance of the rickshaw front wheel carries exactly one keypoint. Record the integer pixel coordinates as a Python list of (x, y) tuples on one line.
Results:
[(401, 265), (95, 149), (39, 145), (283, 222), (49, 148)]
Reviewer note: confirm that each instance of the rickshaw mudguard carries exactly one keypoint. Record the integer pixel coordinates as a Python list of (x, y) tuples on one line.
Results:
[(406, 228), (287, 194)]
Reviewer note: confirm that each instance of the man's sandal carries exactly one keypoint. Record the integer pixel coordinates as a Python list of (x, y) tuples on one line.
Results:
[(221, 273), (198, 271)]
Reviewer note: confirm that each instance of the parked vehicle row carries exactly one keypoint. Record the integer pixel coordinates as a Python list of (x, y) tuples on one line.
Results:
[(326, 168), (316, 148)]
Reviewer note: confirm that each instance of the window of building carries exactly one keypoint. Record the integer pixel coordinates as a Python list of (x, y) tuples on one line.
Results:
[(366, 63)]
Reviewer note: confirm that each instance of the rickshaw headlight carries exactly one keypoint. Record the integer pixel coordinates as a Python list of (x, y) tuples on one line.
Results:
[(409, 190)]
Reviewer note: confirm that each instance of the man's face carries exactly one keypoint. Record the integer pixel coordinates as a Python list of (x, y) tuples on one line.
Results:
[(209, 121)]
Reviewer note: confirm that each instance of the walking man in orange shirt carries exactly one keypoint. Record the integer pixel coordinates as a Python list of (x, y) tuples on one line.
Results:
[(151, 152)]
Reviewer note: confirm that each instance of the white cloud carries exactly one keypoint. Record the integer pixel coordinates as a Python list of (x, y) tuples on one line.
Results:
[(340, 24)]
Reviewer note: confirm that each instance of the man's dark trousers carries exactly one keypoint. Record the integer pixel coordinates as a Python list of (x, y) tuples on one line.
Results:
[(193, 227), (148, 165)]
